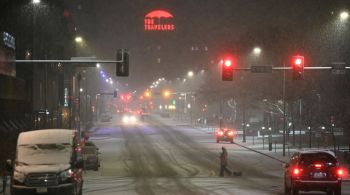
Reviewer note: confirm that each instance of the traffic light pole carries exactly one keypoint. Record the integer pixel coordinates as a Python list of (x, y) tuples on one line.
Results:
[(284, 111)]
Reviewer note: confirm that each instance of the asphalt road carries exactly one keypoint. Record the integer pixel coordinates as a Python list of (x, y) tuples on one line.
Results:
[(160, 156), (157, 158)]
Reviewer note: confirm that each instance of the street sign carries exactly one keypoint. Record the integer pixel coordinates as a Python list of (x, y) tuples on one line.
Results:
[(261, 69), (338, 68)]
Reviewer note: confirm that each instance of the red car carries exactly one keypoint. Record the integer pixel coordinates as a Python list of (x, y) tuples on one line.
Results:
[(225, 135)]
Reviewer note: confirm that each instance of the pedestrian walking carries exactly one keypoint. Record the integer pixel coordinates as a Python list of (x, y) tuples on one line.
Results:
[(223, 162), (7, 170)]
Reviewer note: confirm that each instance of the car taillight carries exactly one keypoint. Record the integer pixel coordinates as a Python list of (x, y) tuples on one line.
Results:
[(340, 172), (230, 133), (297, 171), (318, 165), (220, 133)]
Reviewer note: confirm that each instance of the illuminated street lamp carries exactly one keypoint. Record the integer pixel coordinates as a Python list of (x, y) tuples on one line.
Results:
[(344, 15), (190, 74), (257, 51), (81, 90), (98, 65), (36, 1), (78, 39)]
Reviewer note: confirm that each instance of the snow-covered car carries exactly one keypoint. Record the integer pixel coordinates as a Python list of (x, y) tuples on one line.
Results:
[(47, 162), (225, 135)]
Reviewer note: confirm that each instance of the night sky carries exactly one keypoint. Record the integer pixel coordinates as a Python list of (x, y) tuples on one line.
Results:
[(220, 25)]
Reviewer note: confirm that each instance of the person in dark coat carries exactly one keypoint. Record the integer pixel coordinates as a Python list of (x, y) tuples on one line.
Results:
[(223, 162)]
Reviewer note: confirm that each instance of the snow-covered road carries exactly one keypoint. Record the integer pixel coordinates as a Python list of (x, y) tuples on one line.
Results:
[(160, 156)]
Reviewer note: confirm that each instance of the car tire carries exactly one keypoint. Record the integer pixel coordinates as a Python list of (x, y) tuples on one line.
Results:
[(286, 189), (295, 190), (81, 189), (14, 191), (337, 191)]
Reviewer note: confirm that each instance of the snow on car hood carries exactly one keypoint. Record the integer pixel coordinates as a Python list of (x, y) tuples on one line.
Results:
[(26, 169)]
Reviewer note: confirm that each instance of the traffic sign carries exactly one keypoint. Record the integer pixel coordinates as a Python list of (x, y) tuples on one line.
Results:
[(338, 68), (261, 69)]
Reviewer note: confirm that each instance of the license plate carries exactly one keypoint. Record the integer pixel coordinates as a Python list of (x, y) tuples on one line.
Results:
[(41, 190), (319, 175)]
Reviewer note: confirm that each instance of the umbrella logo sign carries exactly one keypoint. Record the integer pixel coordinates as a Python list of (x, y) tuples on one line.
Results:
[(159, 20)]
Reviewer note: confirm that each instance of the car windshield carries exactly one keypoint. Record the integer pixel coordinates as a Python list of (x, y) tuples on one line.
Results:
[(314, 158), (44, 154)]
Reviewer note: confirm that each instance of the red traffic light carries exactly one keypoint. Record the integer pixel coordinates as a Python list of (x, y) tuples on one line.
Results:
[(298, 67), (227, 69), (298, 60), (228, 63)]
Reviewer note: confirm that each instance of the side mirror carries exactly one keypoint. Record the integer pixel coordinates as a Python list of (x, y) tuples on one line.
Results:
[(79, 164)]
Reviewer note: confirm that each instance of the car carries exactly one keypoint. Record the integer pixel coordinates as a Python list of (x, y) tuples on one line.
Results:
[(313, 170), (129, 119), (90, 156), (225, 135), (47, 162)]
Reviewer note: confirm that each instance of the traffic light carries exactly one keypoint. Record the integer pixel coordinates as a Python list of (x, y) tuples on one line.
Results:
[(115, 94), (227, 69), (298, 67), (148, 94), (123, 63), (166, 93)]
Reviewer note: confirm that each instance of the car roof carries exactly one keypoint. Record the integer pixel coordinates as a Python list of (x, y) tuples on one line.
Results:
[(46, 136), (317, 151)]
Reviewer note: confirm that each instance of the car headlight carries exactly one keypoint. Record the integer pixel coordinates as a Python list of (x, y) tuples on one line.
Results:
[(125, 119), (19, 176), (66, 174), (133, 119)]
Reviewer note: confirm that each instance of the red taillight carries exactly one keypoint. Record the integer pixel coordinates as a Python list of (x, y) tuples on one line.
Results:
[(297, 171), (340, 172), (230, 133), (318, 165)]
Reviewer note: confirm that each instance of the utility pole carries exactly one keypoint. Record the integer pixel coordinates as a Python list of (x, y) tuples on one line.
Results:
[(284, 111), (244, 120), (79, 79)]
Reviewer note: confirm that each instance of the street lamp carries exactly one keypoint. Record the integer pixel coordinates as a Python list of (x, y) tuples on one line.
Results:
[(190, 74), (257, 51), (36, 1), (81, 90), (344, 15), (78, 39), (98, 65)]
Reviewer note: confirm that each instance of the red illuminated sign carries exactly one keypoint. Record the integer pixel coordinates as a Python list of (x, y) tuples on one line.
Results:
[(159, 20)]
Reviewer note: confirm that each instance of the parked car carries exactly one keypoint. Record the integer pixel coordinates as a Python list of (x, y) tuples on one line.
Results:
[(47, 162), (314, 170), (90, 156)]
